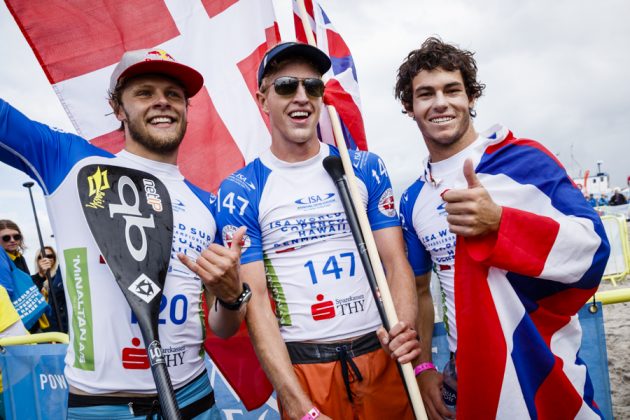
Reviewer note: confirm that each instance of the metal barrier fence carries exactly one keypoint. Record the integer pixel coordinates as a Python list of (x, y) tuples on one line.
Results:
[(618, 266)]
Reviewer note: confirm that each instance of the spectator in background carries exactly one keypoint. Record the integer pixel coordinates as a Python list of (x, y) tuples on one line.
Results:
[(591, 200), (602, 200), (617, 198), (48, 262), (13, 243)]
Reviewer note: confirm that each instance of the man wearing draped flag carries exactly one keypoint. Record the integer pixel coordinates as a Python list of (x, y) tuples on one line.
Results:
[(516, 248)]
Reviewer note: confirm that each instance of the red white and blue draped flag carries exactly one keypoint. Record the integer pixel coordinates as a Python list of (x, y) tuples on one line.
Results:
[(517, 292), (78, 45), (342, 89)]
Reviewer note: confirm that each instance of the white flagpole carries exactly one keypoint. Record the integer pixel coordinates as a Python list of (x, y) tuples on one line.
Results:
[(388, 303)]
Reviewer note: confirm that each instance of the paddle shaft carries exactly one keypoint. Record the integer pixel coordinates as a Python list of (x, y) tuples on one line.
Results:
[(42, 254), (166, 394), (353, 223)]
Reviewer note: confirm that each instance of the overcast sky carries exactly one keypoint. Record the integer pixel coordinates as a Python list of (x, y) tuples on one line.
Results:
[(556, 71)]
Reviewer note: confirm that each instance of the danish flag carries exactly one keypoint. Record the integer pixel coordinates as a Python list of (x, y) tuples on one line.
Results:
[(79, 43)]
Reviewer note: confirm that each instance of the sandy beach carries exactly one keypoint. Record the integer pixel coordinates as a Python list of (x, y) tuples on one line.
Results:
[(617, 326)]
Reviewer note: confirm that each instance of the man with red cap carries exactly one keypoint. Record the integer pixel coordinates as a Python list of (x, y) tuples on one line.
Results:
[(107, 366)]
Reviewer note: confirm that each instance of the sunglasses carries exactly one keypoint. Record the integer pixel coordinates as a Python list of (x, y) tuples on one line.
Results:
[(288, 85), (16, 237), (49, 256)]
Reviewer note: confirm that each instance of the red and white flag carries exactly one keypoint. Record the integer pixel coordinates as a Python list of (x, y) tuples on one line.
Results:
[(79, 43)]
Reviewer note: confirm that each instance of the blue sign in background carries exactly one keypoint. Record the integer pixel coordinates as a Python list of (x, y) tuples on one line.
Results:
[(35, 388)]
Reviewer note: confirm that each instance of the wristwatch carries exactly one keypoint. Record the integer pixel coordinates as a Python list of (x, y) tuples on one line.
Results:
[(240, 301)]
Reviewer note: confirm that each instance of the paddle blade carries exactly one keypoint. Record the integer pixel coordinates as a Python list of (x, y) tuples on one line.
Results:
[(130, 217)]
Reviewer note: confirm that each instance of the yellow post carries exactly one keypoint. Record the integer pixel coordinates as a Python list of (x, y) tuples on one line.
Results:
[(50, 337), (609, 297)]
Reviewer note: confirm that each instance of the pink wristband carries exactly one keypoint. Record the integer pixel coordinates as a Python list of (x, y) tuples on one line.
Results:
[(312, 414), (422, 367)]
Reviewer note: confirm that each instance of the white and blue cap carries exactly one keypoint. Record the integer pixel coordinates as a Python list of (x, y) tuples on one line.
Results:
[(293, 49)]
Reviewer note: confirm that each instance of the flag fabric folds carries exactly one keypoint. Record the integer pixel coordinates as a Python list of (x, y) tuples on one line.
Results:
[(78, 44), (342, 89)]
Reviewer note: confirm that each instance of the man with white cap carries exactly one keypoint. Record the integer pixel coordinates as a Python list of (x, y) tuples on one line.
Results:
[(107, 366)]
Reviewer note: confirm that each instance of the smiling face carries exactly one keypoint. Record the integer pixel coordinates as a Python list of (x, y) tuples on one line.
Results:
[(153, 109), (441, 110), (293, 117)]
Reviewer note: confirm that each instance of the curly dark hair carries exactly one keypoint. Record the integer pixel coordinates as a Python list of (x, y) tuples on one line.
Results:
[(432, 54)]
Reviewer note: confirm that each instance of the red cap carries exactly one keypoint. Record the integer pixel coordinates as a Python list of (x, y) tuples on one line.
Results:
[(156, 61)]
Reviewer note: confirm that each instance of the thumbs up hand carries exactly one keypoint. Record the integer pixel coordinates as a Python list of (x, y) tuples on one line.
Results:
[(471, 211)]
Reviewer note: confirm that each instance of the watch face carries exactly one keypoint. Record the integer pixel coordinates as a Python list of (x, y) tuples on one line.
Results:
[(242, 299), (246, 295)]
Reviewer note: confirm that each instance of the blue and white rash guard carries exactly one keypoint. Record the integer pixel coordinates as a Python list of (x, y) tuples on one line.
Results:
[(296, 225), (106, 353)]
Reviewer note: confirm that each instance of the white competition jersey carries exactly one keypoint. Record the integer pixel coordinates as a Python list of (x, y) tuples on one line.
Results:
[(297, 225), (106, 352), (430, 244)]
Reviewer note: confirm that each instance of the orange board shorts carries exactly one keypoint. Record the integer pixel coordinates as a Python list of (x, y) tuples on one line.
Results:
[(379, 395)]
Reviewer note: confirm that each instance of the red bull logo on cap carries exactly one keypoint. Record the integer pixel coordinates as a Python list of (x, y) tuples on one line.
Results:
[(159, 55)]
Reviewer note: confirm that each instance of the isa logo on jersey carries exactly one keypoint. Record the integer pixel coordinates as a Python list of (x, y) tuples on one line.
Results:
[(240, 179), (315, 201), (227, 234), (386, 203)]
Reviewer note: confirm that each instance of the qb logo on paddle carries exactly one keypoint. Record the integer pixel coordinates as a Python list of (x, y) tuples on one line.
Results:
[(140, 261), (130, 217), (133, 218)]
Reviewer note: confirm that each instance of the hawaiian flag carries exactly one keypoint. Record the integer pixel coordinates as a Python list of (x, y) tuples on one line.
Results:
[(79, 43), (342, 89)]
